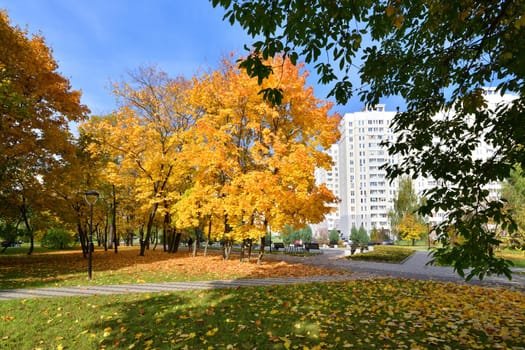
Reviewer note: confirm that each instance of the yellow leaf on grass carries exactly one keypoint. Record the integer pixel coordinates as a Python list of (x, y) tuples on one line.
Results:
[(287, 342), (212, 332)]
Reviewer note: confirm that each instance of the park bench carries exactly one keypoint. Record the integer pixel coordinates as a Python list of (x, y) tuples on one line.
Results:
[(311, 245), (278, 245), (7, 244), (294, 249)]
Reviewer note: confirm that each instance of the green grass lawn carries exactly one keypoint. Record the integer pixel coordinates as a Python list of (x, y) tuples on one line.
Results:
[(516, 256), (362, 314)]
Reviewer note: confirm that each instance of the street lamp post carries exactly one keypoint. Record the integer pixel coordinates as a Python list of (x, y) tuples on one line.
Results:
[(91, 197)]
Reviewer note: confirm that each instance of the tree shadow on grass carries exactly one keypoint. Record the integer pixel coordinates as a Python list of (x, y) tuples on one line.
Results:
[(55, 268), (224, 318)]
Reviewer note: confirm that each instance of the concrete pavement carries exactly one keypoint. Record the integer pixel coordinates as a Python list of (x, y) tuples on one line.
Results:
[(9, 294), (414, 267)]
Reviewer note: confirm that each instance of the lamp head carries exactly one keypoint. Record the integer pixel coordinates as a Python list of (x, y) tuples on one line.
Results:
[(91, 197)]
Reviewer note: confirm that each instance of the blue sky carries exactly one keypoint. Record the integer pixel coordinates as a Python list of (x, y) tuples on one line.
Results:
[(98, 41)]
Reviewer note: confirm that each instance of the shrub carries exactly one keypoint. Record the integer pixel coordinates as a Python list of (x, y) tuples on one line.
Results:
[(384, 254), (359, 236), (57, 238), (333, 237)]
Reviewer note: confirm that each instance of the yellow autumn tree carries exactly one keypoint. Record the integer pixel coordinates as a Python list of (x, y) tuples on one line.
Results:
[(36, 105), (143, 141), (258, 160), (410, 228)]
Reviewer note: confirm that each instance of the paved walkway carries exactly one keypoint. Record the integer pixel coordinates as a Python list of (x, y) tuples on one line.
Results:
[(8, 294), (414, 267)]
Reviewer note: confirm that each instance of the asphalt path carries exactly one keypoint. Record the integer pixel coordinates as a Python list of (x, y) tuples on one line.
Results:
[(416, 267)]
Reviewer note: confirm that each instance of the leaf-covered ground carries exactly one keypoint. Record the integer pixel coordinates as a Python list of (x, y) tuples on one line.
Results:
[(361, 314), (70, 268)]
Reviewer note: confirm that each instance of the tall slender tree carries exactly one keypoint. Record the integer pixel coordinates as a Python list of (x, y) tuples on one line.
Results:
[(406, 203)]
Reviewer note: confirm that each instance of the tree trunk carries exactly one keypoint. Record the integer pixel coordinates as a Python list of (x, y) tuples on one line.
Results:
[(155, 238), (144, 241), (261, 251), (176, 242), (170, 239), (165, 228), (31, 244), (195, 245), (226, 249), (23, 211), (98, 235), (106, 229), (82, 238), (116, 239), (207, 238), (173, 241), (81, 233), (250, 250), (243, 248), (205, 250)]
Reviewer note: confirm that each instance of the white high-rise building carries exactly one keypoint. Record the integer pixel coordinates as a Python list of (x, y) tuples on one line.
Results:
[(356, 178), (366, 195), (482, 152), (331, 179)]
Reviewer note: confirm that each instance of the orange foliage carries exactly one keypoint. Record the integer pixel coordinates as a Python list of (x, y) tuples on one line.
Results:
[(258, 159), (214, 154), (36, 106)]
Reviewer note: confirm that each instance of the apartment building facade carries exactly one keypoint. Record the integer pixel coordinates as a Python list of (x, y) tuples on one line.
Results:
[(366, 196), (331, 178)]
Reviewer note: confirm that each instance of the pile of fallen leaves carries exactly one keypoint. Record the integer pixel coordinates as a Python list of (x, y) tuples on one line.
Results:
[(213, 264), (126, 266)]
